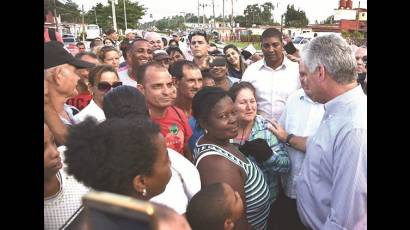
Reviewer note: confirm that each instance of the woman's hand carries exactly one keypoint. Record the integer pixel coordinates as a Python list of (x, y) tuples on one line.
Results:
[(277, 130)]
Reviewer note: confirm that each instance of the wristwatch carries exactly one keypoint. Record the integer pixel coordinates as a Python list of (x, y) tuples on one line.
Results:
[(288, 139)]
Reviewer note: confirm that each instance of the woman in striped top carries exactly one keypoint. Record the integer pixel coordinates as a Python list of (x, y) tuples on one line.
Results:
[(218, 160)]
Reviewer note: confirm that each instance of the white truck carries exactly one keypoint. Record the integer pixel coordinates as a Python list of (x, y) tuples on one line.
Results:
[(93, 31)]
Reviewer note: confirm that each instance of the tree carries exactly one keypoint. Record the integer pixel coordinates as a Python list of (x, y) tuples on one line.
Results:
[(328, 20), (266, 14), (295, 18), (252, 15), (104, 14)]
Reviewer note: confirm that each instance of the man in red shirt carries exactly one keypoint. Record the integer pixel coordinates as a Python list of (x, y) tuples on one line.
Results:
[(156, 84)]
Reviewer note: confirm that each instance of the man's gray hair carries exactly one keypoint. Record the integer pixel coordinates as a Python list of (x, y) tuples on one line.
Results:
[(334, 54)]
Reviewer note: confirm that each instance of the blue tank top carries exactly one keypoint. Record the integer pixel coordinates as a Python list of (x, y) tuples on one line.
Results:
[(256, 188)]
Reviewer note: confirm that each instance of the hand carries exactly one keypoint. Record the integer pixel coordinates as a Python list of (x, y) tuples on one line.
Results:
[(257, 148), (278, 130)]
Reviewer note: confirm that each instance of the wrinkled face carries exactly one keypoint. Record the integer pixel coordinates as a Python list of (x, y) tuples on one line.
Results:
[(218, 72), (272, 50), (107, 77), (222, 122), (52, 160), (190, 83), (155, 41), (69, 81), (232, 57), (360, 53), (112, 58), (234, 202), (175, 56), (245, 105), (199, 46), (158, 88), (161, 172), (141, 53), (309, 81)]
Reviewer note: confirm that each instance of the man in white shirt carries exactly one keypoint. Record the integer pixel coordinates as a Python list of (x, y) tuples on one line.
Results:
[(275, 77), (331, 187), (139, 53)]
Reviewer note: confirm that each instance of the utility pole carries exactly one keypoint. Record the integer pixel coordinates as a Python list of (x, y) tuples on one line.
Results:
[(213, 9), (114, 19), (125, 16), (55, 15), (203, 11), (223, 12), (232, 23), (281, 23), (198, 13), (95, 13), (82, 12)]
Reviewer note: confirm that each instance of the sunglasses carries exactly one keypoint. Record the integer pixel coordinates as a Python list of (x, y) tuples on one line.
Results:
[(105, 86)]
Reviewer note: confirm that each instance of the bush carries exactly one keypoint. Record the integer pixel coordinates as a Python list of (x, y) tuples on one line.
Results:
[(250, 38)]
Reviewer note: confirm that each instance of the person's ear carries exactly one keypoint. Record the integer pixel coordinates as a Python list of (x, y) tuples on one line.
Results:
[(58, 76), (321, 69), (229, 224), (138, 183), (141, 88), (203, 124)]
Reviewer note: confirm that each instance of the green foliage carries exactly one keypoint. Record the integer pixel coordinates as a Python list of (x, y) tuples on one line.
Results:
[(295, 18), (250, 38), (259, 15), (134, 13)]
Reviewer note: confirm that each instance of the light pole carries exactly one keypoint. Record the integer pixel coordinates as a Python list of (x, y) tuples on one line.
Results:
[(114, 20), (184, 13), (82, 12), (125, 16)]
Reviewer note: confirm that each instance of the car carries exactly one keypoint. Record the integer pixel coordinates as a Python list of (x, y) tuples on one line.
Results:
[(300, 41), (70, 43)]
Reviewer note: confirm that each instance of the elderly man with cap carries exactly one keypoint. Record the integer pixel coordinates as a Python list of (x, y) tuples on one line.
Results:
[(60, 79), (162, 57)]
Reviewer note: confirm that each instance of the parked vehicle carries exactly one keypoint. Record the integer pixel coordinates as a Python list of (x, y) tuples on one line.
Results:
[(93, 31)]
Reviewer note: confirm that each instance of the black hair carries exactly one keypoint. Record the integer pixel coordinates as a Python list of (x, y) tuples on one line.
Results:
[(80, 43), (173, 40), (238, 86), (164, 41), (92, 43), (87, 53), (176, 70), (198, 33), (131, 47), (124, 101), (205, 100), (208, 209), (272, 32), (174, 49), (109, 155), (110, 31), (95, 73), (142, 70), (124, 46), (105, 39)]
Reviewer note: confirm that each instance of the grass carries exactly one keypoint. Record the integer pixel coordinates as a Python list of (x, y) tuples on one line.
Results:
[(242, 45)]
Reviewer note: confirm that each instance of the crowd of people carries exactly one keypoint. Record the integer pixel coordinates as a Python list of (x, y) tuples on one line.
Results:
[(226, 139)]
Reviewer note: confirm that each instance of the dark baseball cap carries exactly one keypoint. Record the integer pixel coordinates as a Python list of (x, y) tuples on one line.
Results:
[(55, 55)]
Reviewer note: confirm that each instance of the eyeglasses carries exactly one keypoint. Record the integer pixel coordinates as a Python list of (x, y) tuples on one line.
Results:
[(105, 86)]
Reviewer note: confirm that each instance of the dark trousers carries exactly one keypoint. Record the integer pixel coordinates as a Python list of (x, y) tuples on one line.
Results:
[(288, 217)]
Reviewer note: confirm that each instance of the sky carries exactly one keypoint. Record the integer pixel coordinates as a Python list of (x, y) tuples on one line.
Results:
[(315, 9)]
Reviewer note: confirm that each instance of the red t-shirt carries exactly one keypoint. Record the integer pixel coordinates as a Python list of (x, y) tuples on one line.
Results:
[(80, 101), (175, 128)]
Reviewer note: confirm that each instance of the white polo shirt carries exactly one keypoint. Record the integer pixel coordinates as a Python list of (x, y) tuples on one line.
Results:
[(273, 86)]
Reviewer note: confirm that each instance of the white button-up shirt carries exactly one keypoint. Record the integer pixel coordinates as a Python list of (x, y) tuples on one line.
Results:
[(273, 86), (91, 110), (332, 186), (125, 79), (301, 117)]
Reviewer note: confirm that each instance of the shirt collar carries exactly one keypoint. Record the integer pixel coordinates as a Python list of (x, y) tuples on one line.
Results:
[(305, 97), (284, 64), (343, 99)]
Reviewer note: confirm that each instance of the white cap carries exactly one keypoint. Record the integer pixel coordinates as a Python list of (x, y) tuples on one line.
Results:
[(250, 49)]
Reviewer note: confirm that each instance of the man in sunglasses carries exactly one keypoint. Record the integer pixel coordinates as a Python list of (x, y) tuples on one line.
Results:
[(61, 78), (275, 76), (198, 42)]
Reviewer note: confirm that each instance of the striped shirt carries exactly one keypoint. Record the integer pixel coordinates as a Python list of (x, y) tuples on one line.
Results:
[(277, 164), (256, 189)]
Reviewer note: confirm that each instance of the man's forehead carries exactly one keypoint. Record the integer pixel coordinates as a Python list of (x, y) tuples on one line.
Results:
[(141, 44), (270, 40), (198, 38), (361, 52)]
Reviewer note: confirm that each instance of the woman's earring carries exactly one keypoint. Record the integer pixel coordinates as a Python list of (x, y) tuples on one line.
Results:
[(144, 192)]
